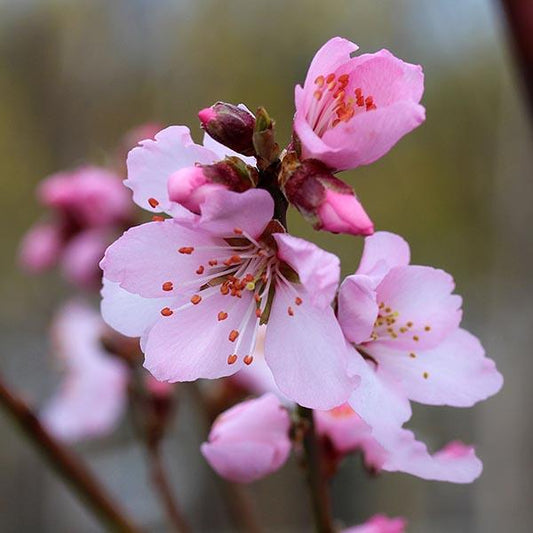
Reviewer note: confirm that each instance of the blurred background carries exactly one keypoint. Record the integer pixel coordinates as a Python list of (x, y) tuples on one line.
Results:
[(75, 75)]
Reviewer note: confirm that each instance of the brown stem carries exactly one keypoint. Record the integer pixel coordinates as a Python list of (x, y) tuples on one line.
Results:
[(237, 499), (67, 465), (316, 479), (520, 19), (162, 485)]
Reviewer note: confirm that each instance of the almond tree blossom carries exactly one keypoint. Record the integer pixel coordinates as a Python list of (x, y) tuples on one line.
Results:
[(403, 321), (196, 287), (352, 110)]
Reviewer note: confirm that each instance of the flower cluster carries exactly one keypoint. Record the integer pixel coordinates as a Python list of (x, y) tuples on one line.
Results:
[(216, 267)]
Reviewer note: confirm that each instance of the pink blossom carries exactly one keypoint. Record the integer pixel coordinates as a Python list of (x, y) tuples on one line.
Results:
[(196, 287), (250, 440), (352, 110), (404, 323), (92, 395), (379, 524), (153, 162), (343, 213), (40, 248), (87, 197)]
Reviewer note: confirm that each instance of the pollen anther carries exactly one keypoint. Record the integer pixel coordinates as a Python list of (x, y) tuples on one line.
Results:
[(233, 334), (166, 311), (167, 286), (196, 299)]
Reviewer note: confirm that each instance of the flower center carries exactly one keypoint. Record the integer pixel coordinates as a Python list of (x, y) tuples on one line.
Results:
[(332, 103)]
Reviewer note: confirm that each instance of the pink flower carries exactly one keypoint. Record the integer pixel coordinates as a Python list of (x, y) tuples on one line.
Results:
[(348, 433), (250, 440), (172, 152), (404, 322), (87, 197), (92, 396), (40, 248), (196, 287), (379, 524), (353, 110)]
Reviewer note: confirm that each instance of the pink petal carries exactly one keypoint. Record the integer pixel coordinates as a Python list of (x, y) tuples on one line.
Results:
[(379, 524), (317, 269), (426, 309), (456, 463), (306, 352), (152, 162), (92, 396), (193, 343), (148, 256), (383, 251), (455, 373), (131, 314), (223, 211), (357, 308), (40, 248)]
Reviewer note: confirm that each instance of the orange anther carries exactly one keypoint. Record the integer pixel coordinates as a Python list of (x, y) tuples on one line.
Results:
[(224, 289), (196, 299), (166, 311), (298, 300), (248, 359), (153, 202), (358, 92), (232, 359), (213, 262), (200, 270), (317, 95), (330, 78), (158, 218), (344, 79), (290, 311), (257, 298), (233, 334), (167, 286), (186, 250), (258, 313), (319, 81), (237, 231), (222, 315)]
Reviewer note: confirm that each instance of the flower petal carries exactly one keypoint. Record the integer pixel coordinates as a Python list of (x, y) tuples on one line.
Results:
[(148, 256), (131, 314), (424, 310), (383, 251), (223, 151), (306, 352), (357, 308), (193, 343), (454, 373), (318, 270), (152, 162)]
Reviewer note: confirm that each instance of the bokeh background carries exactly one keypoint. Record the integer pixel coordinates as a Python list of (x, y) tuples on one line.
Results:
[(75, 75)]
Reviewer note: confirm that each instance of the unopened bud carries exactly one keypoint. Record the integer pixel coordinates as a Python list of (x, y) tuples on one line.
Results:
[(190, 186), (326, 201), (231, 125)]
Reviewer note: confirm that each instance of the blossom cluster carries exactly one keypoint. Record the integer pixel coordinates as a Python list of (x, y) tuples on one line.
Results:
[(215, 286)]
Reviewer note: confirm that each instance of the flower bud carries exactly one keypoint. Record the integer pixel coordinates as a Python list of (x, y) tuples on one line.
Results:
[(250, 440), (231, 125), (189, 186), (326, 201), (40, 248)]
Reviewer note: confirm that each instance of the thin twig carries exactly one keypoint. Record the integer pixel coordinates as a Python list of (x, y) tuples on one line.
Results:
[(67, 465), (164, 489), (318, 485)]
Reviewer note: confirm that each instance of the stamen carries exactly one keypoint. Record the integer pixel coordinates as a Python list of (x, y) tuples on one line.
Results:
[(232, 359), (330, 78), (412, 355), (166, 311), (290, 311), (188, 250), (222, 315), (298, 300), (319, 81), (427, 328), (237, 231), (167, 286), (248, 359), (415, 338), (196, 299), (233, 335), (213, 262), (425, 375), (153, 202), (200, 270), (158, 218)]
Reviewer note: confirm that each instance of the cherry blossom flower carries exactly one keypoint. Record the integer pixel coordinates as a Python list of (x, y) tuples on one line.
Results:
[(352, 110), (172, 154), (196, 287), (92, 396), (379, 524), (88, 205), (250, 440), (404, 323), (347, 433)]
